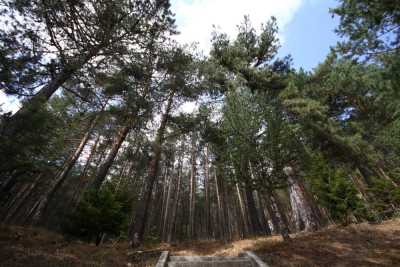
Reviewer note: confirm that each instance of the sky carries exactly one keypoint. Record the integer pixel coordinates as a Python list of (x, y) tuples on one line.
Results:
[(306, 27)]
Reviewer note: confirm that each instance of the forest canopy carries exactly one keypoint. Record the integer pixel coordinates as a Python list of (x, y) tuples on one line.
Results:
[(101, 146)]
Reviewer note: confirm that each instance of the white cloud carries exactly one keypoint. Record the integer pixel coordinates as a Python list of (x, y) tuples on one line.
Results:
[(8, 104), (195, 18)]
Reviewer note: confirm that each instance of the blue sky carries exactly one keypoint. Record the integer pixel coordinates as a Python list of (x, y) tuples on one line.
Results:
[(306, 26), (310, 34)]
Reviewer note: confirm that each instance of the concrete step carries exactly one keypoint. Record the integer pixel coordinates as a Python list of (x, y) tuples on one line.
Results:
[(245, 259), (240, 262), (205, 258)]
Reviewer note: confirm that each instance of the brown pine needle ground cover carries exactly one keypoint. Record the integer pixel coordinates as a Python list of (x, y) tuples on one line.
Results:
[(354, 245)]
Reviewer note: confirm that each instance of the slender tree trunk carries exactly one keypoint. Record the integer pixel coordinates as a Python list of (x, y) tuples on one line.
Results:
[(166, 212), (40, 206), (20, 199), (221, 217), (166, 183), (207, 193), (105, 166), (80, 187), (285, 223), (272, 213), (172, 227), (242, 211), (226, 212), (137, 236), (260, 207), (36, 102), (90, 158), (253, 214), (192, 192)]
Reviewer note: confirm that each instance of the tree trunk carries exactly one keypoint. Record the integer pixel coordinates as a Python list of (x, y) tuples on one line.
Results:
[(207, 193), (285, 223), (192, 192), (272, 213), (263, 219), (166, 211), (220, 213), (105, 166), (91, 156), (243, 214), (256, 228), (20, 198), (139, 226), (171, 229), (55, 184), (36, 102), (303, 210)]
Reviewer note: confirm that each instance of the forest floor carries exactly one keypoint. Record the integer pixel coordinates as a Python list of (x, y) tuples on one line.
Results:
[(354, 245)]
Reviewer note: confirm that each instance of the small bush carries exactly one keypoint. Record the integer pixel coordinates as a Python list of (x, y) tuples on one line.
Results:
[(97, 214)]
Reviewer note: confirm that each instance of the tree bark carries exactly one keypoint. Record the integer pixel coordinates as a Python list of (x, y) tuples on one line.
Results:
[(263, 219), (167, 203), (40, 206), (242, 211), (282, 215), (272, 213), (304, 207), (192, 192), (256, 228), (171, 229), (105, 166), (220, 213), (207, 193), (139, 226), (36, 102)]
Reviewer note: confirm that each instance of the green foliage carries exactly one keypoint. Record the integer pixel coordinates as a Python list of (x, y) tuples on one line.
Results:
[(372, 26), (387, 197), (99, 213), (334, 190)]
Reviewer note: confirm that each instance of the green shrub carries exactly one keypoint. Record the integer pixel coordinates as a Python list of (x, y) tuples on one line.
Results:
[(97, 214)]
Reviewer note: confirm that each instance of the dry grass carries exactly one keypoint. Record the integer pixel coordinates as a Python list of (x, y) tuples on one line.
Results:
[(33, 247), (354, 245)]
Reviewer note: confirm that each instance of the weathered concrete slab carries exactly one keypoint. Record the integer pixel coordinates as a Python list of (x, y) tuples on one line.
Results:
[(257, 262), (204, 258), (231, 263), (162, 262), (245, 259)]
